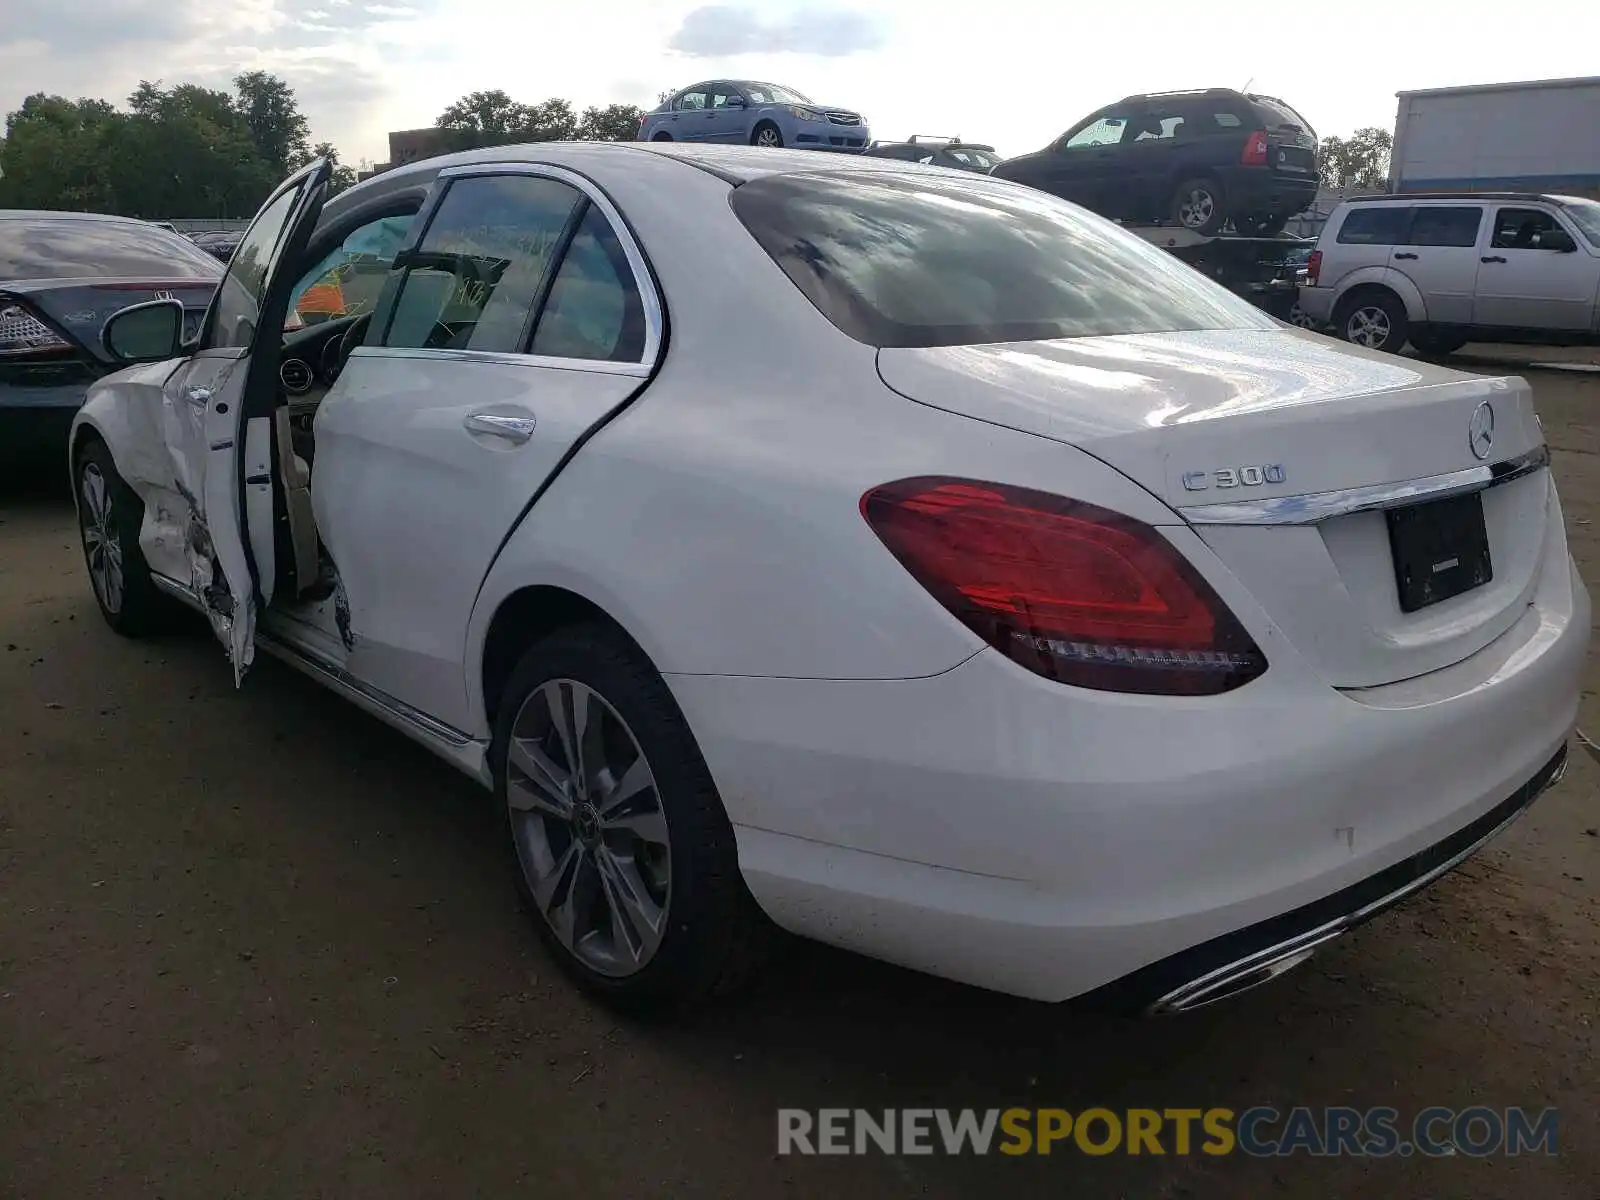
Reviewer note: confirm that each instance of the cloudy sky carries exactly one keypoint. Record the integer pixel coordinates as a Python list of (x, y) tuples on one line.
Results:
[(1012, 72)]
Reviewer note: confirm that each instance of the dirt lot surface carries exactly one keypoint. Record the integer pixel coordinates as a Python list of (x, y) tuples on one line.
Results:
[(255, 944)]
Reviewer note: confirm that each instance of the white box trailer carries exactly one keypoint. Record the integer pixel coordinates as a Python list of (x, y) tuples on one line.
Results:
[(1505, 137)]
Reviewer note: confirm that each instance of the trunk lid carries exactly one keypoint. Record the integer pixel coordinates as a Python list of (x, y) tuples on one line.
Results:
[(80, 308), (1290, 415)]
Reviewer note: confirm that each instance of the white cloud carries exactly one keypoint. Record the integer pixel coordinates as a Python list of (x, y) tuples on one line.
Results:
[(722, 31)]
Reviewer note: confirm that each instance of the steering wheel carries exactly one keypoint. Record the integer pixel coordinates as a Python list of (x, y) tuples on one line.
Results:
[(347, 343)]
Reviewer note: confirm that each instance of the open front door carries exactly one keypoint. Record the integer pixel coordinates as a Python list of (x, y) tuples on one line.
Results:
[(218, 411)]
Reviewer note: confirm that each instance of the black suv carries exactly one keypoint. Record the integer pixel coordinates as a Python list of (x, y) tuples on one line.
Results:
[(940, 152), (1197, 159)]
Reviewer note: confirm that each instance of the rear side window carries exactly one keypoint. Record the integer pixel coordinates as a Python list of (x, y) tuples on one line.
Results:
[(593, 311), (68, 248), (1440, 226), (472, 282), (1375, 226), (961, 261), (1279, 115)]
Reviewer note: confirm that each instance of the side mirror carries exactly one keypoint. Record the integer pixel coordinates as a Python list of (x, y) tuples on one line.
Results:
[(1558, 240), (735, 102), (145, 333)]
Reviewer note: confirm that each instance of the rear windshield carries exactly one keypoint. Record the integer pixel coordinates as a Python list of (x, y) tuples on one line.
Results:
[(69, 248), (897, 261), (1278, 114)]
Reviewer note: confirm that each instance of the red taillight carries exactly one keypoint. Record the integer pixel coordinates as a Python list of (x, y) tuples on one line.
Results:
[(1073, 592), (1255, 150), (1314, 267), (24, 335)]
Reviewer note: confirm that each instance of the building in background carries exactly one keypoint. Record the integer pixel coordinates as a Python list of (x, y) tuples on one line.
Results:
[(1513, 137), (408, 145)]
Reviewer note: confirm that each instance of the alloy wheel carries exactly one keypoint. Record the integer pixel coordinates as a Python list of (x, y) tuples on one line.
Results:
[(770, 138), (101, 547), (590, 831), (1368, 326), (1299, 316), (1197, 208)]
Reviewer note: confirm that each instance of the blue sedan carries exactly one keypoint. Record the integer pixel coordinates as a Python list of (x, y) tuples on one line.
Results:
[(742, 112)]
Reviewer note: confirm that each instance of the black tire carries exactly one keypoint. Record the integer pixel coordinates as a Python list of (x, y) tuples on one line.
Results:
[(1260, 226), (662, 137), (1199, 204), (1374, 318), (715, 936), (1438, 344), (767, 134), (135, 608)]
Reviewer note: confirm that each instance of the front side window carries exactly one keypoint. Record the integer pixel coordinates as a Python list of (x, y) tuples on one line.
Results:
[(1375, 226), (1103, 131), (722, 93), (946, 261), (237, 307), (594, 310), (349, 278), (1441, 226), (472, 281), (1522, 228)]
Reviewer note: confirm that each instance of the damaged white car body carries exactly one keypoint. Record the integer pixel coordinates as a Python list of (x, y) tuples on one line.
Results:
[(899, 556)]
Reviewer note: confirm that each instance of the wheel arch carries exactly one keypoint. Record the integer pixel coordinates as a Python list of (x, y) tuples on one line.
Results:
[(1369, 279), (522, 617)]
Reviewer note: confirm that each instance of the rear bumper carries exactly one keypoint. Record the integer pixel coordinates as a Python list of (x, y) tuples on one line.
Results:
[(991, 827), (34, 423), (1257, 190), (1246, 958), (1317, 303)]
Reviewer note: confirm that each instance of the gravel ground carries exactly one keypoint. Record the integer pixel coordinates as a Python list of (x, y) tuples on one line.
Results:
[(255, 944)]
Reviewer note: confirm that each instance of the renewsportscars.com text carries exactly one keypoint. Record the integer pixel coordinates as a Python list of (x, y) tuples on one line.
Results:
[(1262, 1131)]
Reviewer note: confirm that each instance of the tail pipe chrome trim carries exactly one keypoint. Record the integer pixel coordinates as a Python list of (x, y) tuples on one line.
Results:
[(1267, 964), (1311, 508)]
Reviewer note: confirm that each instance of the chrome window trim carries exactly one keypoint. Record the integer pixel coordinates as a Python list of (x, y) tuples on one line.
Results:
[(1312, 508), (510, 358), (643, 281)]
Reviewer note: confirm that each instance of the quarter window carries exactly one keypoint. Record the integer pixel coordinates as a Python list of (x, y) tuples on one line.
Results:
[(1375, 226), (1521, 228), (594, 310), (472, 282), (1431, 226)]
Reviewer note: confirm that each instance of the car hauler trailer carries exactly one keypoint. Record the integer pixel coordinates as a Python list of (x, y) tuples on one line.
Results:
[(1499, 137), (1264, 270)]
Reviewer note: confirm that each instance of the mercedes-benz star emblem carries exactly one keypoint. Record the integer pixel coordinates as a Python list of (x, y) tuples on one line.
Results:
[(1480, 430)]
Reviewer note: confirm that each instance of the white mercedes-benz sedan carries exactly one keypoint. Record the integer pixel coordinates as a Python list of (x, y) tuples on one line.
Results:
[(902, 558)]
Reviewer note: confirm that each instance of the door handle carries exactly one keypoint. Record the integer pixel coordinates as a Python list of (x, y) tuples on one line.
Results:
[(1405, 255), (516, 430), (1492, 258), (199, 396)]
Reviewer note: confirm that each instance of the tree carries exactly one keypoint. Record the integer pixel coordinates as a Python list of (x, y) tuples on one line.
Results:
[(1357, 163), (281, 134), (613, 123), (493, 118), (55, 154), (343, 176)]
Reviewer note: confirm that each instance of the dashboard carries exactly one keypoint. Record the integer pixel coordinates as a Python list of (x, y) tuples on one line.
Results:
[(309, 366)]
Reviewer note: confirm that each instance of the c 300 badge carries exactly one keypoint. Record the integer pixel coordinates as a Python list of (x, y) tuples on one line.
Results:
[(1234, 477)]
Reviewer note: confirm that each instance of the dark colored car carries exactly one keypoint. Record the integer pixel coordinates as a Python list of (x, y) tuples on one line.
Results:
[(61, 275), (1197, 159), (220, 244), (938, 152)]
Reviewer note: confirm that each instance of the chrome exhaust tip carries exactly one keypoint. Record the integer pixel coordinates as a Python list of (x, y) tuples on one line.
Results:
[(1234, 979)]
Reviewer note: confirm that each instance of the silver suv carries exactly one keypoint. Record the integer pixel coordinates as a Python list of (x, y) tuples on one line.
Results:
[(1442, 269)]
